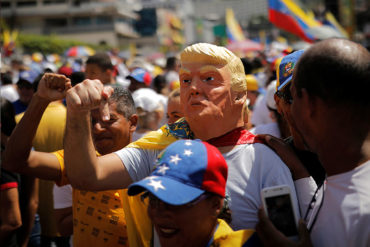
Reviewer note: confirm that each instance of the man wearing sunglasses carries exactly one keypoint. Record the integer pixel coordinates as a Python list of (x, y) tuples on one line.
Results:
[(332, 119)]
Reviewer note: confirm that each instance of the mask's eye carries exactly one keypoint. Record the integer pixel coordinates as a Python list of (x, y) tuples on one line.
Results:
[(186, 81), (209, 78)]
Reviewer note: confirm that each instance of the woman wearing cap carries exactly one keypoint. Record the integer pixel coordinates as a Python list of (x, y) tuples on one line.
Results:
[(185, 195)]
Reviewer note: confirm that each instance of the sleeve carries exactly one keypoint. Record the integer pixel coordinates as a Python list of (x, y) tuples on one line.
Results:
[(275, 172), (62, 196), (63, 179), (305, 188), (138, 162), (8, 180)]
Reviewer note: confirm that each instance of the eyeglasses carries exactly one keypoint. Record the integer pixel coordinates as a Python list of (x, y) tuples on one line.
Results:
[(152, 201), (285, 94)]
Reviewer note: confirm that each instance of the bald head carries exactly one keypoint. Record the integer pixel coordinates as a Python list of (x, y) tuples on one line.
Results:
[(335, 70)]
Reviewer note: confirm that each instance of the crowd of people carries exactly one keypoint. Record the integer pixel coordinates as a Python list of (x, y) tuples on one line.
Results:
[(116, 153)]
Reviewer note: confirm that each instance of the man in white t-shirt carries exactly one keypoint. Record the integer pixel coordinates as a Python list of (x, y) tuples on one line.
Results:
[(333, 118), (213, 93)]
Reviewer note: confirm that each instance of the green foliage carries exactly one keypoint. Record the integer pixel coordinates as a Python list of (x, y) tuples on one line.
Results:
[(48, 44)]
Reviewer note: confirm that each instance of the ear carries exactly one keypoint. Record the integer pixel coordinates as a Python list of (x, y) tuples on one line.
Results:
[(133, 122), (240, 97), (217, 204), (277, 101), (309, 103)]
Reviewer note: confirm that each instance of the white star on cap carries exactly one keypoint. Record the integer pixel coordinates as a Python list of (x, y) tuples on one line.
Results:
[(162, 169), (175, 159), (156, 185), (188, 143), (188, 152)]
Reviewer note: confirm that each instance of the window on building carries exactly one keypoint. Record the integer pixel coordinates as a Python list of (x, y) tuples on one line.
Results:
[(102, 20), (48, 2), (26, 3), (56, 22), (81, 21), (4, 4), (79, 2)]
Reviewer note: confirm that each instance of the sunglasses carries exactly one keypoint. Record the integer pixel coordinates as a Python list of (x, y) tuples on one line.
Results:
[(285, 94)]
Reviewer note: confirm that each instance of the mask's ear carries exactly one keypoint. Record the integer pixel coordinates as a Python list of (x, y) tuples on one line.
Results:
[(240, 97), (133, 122)]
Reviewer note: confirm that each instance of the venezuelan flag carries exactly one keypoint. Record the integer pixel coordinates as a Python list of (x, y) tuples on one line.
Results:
[(288, 16), (332, 22), (233, 30)]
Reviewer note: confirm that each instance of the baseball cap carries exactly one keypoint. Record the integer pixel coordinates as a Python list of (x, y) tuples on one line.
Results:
[(285, 71), (28, 76), (147, 99), (270, 92), (141, 75), (185, 170), (252, 84)]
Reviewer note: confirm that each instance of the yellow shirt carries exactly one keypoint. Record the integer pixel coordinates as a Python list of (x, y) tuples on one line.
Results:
[(48, 138), (98, 217)]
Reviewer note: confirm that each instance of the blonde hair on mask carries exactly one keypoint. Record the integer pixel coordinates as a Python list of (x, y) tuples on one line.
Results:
[(217, 55)]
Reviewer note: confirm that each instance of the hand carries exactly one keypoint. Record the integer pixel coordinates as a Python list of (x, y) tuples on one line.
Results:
[(270, 236), (53, 86), (88, 95), (287, 155)]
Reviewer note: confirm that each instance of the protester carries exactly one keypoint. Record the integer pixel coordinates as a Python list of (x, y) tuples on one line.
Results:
[(213, 93), (139, 78), (174, 111), (99, 66), (185, 197), (333, 122), (25, 86), (172, 70), (10, 213), (7, 89), (283, 101), (150, 111), (99, 217)]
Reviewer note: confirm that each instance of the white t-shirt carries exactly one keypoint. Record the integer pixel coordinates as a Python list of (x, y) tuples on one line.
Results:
[(62, 196), (270, 128), (261, 114), (344, 218), (9, 92), (252, 167)]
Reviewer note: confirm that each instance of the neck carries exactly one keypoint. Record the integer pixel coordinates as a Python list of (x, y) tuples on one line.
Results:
[(345, 155)]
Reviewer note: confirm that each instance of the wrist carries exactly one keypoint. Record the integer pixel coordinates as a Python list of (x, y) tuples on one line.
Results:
[(40, 99)]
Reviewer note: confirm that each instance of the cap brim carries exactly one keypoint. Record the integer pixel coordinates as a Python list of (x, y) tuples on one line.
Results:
[(281, 86), (171, 192)]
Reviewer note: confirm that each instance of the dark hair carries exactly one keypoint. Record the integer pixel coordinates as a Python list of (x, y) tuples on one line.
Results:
[(171, 62), (336, 75), (102, 60), (124, 101), (248, 66), (6, 79), (159, 82), (7, 116), (77, 77)]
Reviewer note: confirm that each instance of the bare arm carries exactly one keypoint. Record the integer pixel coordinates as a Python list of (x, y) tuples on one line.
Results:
[(30, 192), (84, 169), (9, 212), (18, 156)]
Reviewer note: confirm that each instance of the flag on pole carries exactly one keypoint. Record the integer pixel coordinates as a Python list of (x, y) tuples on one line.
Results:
[(288, 16), (233, 30), (331, 21)]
